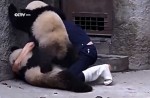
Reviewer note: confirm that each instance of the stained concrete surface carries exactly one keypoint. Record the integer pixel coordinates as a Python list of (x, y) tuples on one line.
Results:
[(134, 84), (131, 35)]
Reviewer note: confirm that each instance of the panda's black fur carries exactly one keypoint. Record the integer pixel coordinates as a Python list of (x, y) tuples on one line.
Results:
[(59, 51), (46, 75)]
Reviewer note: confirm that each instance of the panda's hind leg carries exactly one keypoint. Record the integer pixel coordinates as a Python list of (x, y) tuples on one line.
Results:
[(72, 83), (66, 81)]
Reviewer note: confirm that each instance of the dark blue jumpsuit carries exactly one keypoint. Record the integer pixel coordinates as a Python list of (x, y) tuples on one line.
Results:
[(87, 53)]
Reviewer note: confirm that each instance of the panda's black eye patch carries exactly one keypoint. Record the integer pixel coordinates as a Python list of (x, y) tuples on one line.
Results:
[(14, 48)]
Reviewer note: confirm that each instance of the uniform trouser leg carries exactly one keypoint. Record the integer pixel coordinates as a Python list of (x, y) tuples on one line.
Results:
[(87, 57)]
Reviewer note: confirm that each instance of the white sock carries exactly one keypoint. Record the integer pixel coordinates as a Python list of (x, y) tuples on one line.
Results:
[(93, 73)]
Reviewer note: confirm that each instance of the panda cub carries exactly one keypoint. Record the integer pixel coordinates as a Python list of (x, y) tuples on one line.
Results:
[(52, 76), (45, 25)]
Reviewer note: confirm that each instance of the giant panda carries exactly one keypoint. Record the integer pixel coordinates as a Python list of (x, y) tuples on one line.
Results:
[(45, 26), (51, 76)]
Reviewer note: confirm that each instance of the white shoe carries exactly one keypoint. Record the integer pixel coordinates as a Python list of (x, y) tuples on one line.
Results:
[(106, 74), (107, 82)]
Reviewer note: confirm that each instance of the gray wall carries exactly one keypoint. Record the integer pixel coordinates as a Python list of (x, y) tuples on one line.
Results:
[(4, 42), (8, 37), (131, 32)]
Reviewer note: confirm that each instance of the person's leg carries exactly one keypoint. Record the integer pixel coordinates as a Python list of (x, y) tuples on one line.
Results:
[(87, 57), (93, 73)]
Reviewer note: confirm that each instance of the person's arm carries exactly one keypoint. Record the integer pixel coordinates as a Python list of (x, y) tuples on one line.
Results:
[(27, 48)]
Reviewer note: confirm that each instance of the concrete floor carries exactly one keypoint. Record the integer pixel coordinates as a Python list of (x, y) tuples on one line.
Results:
[(134, 84)]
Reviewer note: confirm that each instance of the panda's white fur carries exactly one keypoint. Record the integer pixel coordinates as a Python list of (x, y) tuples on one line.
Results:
[(36, 4), (14, 56), (49, 30)]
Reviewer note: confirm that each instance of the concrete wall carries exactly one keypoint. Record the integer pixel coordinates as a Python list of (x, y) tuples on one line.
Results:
[(8, 37), (4, 42), (131, 32)]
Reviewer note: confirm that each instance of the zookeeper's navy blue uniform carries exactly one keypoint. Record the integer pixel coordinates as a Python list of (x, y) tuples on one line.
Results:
[(87, 53)]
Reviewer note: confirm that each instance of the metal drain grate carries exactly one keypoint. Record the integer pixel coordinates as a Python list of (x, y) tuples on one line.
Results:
[(94, 16), (90, 23)]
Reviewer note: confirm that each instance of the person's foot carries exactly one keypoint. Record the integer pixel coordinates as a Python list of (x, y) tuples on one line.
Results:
[(106, 74), (108, 82)]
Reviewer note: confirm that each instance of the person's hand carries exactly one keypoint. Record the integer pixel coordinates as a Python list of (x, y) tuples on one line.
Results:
[(28, 47)]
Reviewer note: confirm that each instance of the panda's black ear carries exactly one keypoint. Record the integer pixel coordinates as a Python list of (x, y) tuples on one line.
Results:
[(12, 8), (14, 48)]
